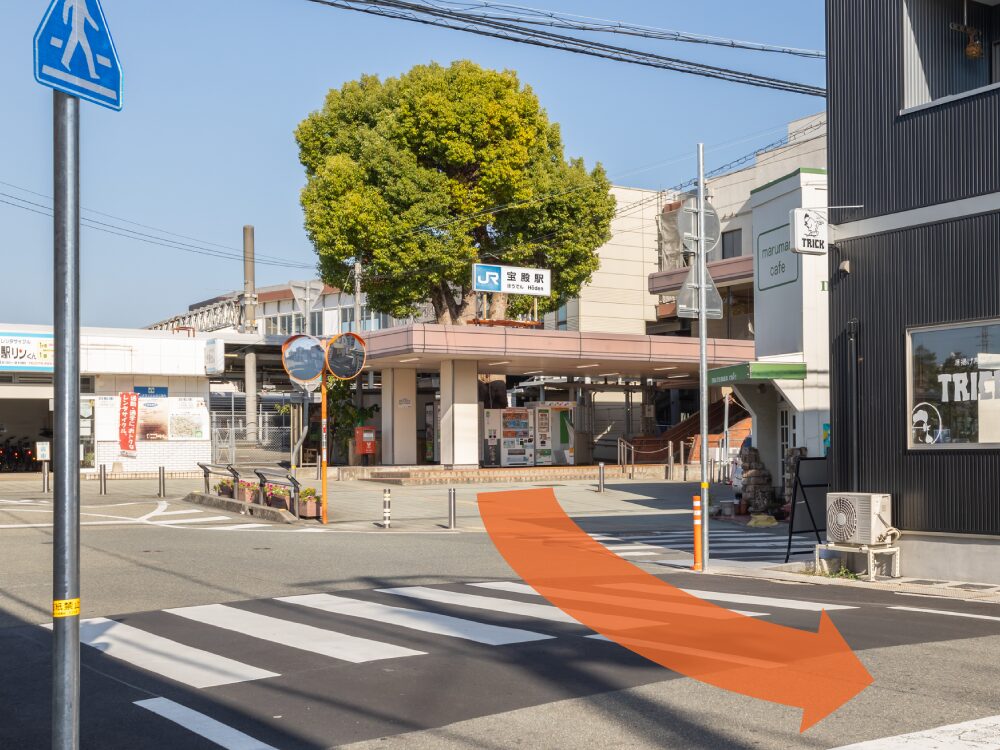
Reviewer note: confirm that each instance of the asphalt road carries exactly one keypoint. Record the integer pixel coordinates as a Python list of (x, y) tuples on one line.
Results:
[(382, 640)]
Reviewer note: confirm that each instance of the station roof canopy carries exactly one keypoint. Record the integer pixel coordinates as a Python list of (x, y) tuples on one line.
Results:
[(512, 351)]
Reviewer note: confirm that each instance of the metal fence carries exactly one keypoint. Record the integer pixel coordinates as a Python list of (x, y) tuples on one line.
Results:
[(266, 445)]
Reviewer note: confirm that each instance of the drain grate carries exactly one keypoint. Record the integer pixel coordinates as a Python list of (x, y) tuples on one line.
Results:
[(974, 587)]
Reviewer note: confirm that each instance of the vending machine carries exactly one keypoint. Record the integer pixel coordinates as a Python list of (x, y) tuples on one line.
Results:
[(518, 438), (543, 436), (554, 432), (492, 423)]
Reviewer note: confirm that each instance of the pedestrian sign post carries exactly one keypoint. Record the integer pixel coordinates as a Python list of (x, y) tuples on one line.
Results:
[(75, 56), (688, 298), (74, 53)]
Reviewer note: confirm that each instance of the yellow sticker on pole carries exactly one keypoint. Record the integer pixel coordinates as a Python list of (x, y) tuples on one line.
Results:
[(66, 608), (704, 485)]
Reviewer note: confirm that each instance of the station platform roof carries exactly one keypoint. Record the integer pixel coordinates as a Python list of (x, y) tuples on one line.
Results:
[(512, 351)]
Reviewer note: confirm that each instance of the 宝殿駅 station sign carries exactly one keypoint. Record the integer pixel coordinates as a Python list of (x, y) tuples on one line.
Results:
[(536, 282)]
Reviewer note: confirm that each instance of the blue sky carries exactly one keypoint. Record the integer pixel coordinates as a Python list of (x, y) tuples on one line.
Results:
[(215, 88)]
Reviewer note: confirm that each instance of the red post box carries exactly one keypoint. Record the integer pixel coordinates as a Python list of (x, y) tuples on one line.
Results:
[(364, 441)]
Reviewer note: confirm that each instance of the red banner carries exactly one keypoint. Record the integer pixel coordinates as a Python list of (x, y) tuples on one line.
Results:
[(128, 422)]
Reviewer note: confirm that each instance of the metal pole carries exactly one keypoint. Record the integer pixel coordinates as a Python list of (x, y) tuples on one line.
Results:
[(386, 508), (600, 477), (45, 477), (323, 447), (358, 329), (852, 364), (66, 523), (102, 480), (452, 501), (162, 491), (703, 349), (670, 460)]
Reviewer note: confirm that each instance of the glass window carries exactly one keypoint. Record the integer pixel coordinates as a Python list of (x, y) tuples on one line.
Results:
[(271, 326), (347, 320), (954, 389), (299, 323), (946, 49), (732, 243), (561, 318), (316, 322)]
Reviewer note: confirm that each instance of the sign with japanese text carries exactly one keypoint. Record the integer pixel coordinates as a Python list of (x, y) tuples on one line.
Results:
[(128, 422), (536, 282), (26, 352)]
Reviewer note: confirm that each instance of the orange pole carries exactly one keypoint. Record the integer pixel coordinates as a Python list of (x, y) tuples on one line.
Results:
[(323, 439), (697, 534)]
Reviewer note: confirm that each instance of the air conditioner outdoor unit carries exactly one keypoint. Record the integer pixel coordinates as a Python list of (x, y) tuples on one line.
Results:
[(856, 518)]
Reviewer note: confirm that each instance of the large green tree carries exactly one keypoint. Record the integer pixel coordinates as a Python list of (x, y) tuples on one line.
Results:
[(421, 176)]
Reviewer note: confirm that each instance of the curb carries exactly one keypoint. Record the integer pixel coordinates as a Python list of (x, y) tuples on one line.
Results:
[(264, 513)]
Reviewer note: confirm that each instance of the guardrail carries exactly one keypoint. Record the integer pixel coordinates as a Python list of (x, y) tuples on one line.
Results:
[(281, 479)]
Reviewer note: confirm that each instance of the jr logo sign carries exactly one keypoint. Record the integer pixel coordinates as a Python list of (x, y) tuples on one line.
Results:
[(487, 278)]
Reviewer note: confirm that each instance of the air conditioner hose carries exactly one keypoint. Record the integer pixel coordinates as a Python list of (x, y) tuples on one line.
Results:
[(892, 534)]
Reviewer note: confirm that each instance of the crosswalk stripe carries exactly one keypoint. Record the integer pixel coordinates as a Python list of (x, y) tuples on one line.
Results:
[(200, 519), (978, 734), (428, 622), (214, 731), (176, 661), (523, 588), (948, 613), (493, 604), (294, 635), (238, 526), (177, 513), (616, 547), (655, 553)]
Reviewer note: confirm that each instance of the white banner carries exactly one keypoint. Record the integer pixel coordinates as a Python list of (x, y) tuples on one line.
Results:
[(26, 352)]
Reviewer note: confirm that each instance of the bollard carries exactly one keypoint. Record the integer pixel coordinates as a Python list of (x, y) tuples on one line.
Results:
[(45, 476), (670, 461), (697, 566), (386, 508), (102, 480), (600, 477), (452, 502), (162, 491)]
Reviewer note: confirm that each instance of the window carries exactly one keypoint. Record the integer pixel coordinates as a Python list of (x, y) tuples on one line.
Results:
[(946, 50), (954, 386), (271, 326), (347, 320), (732, 243), (316, 321), (561, 318), (995, 55)]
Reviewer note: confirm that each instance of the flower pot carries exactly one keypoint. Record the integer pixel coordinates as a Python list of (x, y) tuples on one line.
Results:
[(309, 508), (225, 492), (248, 494), (277, 501)]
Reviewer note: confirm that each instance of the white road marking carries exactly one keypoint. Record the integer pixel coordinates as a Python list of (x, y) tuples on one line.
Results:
[(214, 731), (292, 634), (178, 512), (980, 734), (205, 519), (655, 553), (539, 611), (238, 526), (616, 547), (428, 622), (948, 612), (523, 588), (176, 661)]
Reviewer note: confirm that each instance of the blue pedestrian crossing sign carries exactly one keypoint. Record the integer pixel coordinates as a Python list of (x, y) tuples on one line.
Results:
[(74, 53)]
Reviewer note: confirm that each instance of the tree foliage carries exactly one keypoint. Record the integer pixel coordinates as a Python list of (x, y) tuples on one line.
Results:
[(423, 175)]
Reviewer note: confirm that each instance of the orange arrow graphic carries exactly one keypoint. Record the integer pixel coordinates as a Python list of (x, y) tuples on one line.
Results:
[(816, 672)]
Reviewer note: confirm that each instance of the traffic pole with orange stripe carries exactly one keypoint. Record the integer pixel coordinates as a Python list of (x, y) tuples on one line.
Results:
[(697, 534)]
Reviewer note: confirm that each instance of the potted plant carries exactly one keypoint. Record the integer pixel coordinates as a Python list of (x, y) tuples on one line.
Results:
[(309, 505), (277, 496), (224, 488), (248, 491)]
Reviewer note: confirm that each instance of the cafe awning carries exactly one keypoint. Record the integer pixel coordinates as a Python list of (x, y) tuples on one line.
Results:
[(756, 372)]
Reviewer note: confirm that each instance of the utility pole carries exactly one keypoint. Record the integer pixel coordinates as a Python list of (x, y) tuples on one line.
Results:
[(249, 326), (703, 351), (66, 517), (358, 329)]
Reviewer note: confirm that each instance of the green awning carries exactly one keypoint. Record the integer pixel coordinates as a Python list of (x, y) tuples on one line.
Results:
[(755, 372)]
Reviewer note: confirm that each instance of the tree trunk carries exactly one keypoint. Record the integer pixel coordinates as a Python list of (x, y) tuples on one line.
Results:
[(441, 313), (498, 306), (466, 310)]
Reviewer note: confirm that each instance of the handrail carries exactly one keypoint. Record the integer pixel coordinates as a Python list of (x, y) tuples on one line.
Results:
[(274, 477), (213, 470)]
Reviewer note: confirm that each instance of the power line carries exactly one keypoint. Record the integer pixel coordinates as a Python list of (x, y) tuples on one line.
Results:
[(125, 232), (487, 26), (587, 23)]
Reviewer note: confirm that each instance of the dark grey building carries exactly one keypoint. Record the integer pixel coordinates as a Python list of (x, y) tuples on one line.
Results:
[(914, 138)]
